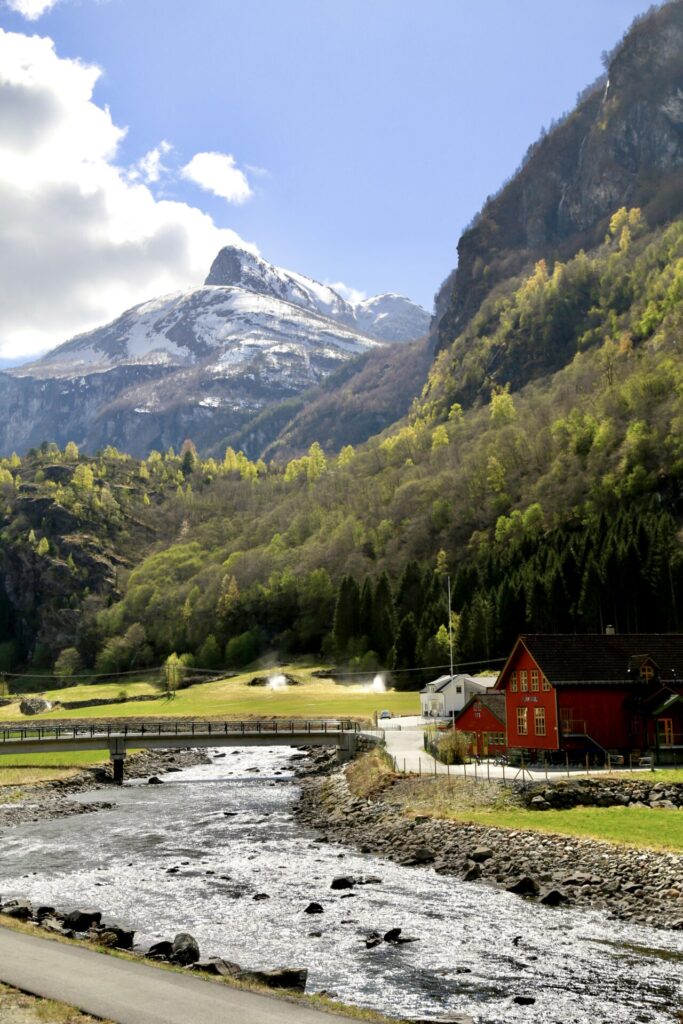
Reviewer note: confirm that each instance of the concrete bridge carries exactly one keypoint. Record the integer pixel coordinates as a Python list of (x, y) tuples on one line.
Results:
[(168, 734)]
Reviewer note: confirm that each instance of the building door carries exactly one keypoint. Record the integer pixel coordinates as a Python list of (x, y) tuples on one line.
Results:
[(566, 721), (665, 730)]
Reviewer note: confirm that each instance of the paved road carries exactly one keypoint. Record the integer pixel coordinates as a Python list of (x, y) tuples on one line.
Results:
[(405, 742), (136, 993)]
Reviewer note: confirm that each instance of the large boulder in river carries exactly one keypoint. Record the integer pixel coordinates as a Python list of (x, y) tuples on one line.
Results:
[(185, 949), (343, 882), (34, 705)]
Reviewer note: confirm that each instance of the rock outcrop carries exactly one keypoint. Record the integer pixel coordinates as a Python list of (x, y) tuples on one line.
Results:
[(621, 146)]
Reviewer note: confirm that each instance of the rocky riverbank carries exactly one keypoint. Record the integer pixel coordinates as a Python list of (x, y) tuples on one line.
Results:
[(46, 800), (642, 886)]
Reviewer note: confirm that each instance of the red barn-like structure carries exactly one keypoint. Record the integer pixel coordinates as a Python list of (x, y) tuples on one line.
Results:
[(595, 693), (484, 717)]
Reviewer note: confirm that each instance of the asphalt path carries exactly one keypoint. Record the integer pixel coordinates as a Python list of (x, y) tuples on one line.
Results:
[(129, 992), (404, 738)]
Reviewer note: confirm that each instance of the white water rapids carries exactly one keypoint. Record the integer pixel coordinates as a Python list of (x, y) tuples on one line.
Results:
[(230, 833)]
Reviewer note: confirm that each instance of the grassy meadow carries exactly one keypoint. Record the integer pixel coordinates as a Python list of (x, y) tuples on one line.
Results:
[(233, 698)]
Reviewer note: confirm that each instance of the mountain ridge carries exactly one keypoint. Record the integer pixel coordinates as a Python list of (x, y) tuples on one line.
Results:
[(199, 362)]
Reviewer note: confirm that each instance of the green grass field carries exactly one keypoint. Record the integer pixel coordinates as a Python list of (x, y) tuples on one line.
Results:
[(26, 769), (631, 826), (233, 698)]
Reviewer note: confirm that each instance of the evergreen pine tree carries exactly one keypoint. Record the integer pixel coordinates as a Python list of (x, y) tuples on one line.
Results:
[(383, 621), (346, 627), (404, 653)]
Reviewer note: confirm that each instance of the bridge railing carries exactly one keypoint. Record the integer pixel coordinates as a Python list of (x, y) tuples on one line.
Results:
[(274, 727)]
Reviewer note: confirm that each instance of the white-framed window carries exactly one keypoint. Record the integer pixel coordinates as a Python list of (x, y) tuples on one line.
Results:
[(495, 738), (523, 680), (539, 721), (546, 684), (513, 682), (522, 715), (534, 680)]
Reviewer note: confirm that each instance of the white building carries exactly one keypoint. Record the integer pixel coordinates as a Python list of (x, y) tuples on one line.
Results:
[(447, 695)]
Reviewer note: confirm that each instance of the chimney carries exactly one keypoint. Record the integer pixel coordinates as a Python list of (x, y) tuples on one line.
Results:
[(610, 630)]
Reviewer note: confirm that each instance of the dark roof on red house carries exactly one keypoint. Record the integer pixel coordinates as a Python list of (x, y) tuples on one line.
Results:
[(567, 658), (494, 701)]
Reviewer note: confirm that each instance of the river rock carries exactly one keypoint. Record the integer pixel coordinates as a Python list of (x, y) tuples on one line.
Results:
[(53, 924), (217, 966), (481, 854), (553, 898), (160, 950), (314, 908), (524, 1000), (154, 780), (185, 949), (292, 978), (43, 911), (343, 882), (415, 858), (392, 935), (20, 910), (113, 936), (82, 920), (524, 886)]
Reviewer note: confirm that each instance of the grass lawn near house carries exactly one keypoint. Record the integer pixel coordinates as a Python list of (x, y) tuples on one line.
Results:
[(628, 826), (488, 803), (233, 698)]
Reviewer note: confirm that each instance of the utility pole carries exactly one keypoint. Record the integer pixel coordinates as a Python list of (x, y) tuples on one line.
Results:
[(450, 624)]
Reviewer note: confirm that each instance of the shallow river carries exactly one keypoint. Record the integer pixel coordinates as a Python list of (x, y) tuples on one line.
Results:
[(477, 949)]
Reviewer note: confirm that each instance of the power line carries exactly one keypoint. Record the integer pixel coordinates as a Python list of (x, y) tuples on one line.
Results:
[(219, 675)]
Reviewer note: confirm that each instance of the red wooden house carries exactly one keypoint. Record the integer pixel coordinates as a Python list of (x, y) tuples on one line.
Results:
[(594, 693), (484, 717)]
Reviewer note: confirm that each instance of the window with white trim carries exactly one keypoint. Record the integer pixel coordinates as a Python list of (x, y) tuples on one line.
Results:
[(539, 721), (513, 682), (534, 680), (523, 680), (522, 714)]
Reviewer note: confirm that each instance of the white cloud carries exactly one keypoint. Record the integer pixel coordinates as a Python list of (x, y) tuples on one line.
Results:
[(79, 241), (31, 9), (352, 295), (151, 166), (218, 173)]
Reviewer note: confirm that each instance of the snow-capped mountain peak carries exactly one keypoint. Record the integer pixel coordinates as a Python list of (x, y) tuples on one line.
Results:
[(199, 362)]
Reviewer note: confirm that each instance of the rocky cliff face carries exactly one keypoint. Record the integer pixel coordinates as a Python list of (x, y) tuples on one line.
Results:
[(621, 146), (197, 364)]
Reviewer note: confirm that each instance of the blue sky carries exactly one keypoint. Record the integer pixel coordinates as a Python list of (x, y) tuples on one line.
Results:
[(369, 131)]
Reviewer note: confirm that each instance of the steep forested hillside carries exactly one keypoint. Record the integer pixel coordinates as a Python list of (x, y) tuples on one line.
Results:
[(541, 467), (558, 506)]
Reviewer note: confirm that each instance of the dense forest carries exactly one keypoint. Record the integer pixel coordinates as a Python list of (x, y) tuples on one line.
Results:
[(541, 469)]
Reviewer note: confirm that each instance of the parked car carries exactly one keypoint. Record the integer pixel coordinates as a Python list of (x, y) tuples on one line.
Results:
[(385, 714)]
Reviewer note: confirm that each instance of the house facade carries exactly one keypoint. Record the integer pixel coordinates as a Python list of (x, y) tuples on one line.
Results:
[(592, 694), (483, 717), (446, 696)]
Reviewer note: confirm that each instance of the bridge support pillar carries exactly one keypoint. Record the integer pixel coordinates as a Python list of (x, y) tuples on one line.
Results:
[(117, 749), (117, 764), (347, 747)]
